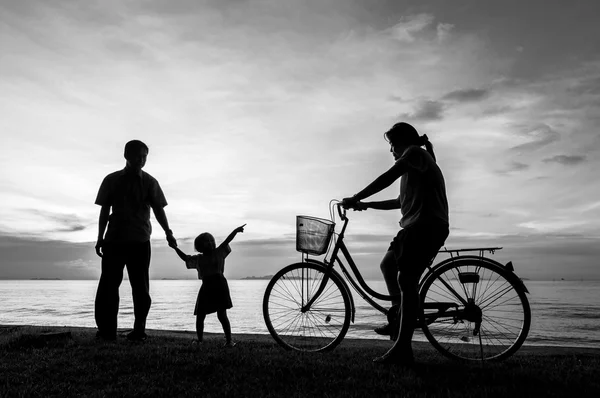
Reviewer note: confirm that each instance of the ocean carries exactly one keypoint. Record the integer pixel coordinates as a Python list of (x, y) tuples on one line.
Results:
[(564, 313)]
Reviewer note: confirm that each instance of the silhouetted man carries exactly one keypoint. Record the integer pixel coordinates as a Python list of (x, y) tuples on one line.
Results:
[(130, 193)]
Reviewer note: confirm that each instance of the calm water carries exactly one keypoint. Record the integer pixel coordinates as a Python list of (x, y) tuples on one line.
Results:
[(565, 313)]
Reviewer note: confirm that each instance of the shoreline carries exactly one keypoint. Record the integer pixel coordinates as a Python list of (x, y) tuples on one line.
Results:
[(538, 350)]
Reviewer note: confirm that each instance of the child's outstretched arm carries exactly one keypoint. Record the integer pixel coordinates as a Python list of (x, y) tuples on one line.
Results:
[(233, 234), (181, 254)]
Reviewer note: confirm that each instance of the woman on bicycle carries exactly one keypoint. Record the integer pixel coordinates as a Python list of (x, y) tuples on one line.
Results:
[(424, 228)]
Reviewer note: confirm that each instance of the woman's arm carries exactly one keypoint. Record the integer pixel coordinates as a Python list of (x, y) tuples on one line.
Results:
[(390, 204), (383, 181), (380, 183)]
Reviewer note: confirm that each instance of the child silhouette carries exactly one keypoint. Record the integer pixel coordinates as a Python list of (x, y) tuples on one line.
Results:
[(214, 293)]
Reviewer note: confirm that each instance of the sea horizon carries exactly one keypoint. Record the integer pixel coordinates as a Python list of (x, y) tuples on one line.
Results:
[(564, 313)]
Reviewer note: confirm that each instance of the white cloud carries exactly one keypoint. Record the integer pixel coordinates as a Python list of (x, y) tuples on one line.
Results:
[(408, 26)]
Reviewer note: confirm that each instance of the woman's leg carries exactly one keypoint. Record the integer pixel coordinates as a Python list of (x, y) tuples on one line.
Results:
[(401, 352), (222, 316), (389, 269), (419, 249), (200, 325), (408, 316)]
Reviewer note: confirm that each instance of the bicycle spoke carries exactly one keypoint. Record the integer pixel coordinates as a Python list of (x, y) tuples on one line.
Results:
[(292, 324), (503, 311)]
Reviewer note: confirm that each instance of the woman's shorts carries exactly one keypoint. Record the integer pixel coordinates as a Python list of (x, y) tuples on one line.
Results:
[(415, 246)]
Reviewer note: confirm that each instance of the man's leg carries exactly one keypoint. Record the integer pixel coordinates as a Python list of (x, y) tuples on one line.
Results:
[(106, 306), (138, 265)]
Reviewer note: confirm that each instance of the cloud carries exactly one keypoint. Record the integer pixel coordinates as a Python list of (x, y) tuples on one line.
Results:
[(87, 267), (443, 31), (466, 95), (425, 111), (513, 167), (552, 225), (25, 257), (539, 254), (587, 85), (65, 222), (540, 135), (409, 25), (567, 160)]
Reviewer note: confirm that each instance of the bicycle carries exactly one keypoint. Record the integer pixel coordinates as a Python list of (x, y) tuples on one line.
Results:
[(471, 307)]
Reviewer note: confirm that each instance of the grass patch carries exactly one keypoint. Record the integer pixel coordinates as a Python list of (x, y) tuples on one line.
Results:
[(167, 364)]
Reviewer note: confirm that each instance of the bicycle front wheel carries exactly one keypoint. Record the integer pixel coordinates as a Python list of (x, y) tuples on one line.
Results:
[(320, 328), (474, 310)]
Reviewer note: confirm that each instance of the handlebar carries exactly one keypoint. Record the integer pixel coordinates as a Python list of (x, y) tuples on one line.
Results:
[(341, 210)]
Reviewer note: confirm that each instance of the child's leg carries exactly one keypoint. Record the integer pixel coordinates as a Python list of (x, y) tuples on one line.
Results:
[(222, 315), (200, 325)]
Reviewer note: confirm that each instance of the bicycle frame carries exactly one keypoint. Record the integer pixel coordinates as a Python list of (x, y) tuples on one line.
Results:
[(365, 291), (362, 288)]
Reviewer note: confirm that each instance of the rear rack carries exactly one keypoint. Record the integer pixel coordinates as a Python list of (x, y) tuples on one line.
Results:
[(481, 250)]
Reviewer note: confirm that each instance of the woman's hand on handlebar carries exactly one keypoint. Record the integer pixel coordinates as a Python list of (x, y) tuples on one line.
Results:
[(352, 203)]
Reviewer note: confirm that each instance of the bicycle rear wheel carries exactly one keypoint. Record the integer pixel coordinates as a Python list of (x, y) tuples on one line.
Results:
[(320, 328), (474, 310)]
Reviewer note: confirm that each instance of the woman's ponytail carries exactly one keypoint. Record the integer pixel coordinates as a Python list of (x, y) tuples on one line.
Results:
[(424, 141), (404, 134)]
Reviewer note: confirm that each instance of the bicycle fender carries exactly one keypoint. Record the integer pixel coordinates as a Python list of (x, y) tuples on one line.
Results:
[(352, 306), (509, 266)]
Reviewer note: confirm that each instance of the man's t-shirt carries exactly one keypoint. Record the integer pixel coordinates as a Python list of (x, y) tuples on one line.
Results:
[(131, 195), (422, 189), (209, 264)]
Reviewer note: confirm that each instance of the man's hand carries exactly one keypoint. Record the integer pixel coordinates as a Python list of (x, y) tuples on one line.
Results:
[(239, 229), (171, 239), (99, 246)]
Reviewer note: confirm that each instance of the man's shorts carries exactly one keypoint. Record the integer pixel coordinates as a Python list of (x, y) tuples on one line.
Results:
[(415, 246)]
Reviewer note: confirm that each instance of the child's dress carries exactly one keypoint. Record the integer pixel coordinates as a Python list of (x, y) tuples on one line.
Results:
[(214, 293)]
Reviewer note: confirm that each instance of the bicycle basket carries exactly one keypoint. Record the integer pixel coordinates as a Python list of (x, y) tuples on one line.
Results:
[(313, 234)]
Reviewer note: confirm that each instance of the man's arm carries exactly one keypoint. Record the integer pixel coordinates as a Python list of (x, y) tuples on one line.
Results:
[(161, 217), (102, 223)]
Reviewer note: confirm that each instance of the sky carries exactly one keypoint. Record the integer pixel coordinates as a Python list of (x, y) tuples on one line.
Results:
[(258, 111)]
